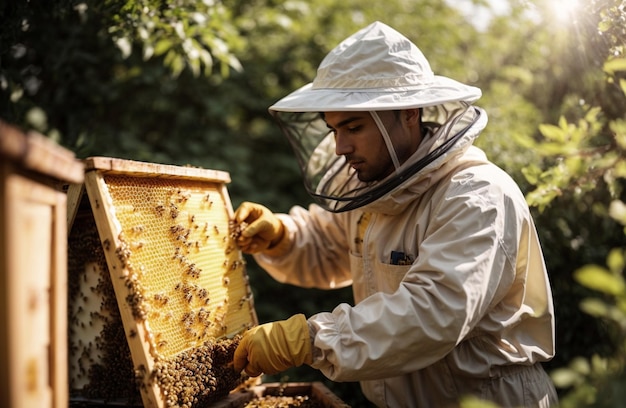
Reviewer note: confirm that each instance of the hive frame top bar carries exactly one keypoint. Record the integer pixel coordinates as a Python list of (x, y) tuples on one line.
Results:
[(114, 166)]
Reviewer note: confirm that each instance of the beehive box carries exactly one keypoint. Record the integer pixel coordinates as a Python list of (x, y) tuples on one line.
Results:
[(33, 272), (284, 395), (158, 289)]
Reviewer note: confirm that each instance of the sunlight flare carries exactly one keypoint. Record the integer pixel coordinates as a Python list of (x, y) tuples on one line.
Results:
[(565, 10)]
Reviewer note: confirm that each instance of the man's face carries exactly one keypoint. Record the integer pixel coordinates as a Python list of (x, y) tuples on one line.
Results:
[(358, 139)]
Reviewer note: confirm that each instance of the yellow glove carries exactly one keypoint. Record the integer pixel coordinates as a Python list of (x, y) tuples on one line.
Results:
[(263, 230), (274, 347)]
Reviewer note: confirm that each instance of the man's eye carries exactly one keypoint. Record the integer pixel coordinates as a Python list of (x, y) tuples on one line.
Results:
[(354, 129)]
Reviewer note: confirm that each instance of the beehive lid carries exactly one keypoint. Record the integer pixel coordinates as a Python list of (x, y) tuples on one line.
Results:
[(37, 153), (179, 280)]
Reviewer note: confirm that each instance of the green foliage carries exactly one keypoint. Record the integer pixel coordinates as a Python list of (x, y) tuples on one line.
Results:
[(583, 161), (598, 381), (189, 34)]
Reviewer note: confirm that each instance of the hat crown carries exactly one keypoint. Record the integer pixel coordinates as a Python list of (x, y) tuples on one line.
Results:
[(375, 57)]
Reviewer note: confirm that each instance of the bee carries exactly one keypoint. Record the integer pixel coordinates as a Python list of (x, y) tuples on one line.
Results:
[(183, 196), (243, 301), (207, 199), (159, 209), (160, 298), (173, 211), (186, 317), (176, 229), (203, 293)]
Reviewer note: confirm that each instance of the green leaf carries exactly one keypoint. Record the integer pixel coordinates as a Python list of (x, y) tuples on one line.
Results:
[(617, 211), (565, 377), (617, 64), (594, 307), (600, 279), (552, 132), (532, 172), (619, 169), (162, 46)]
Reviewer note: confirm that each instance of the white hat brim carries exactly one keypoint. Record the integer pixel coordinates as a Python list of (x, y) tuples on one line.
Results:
[(442, 90)]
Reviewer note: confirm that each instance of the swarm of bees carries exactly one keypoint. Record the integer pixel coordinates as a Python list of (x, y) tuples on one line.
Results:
[(283, 402), (212, 377), (100, 363)]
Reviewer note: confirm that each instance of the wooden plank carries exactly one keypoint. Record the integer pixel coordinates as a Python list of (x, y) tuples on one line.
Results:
[(58, 304), (108, 165), (74, 196), (33, 339), (40, 154), (316, 391)]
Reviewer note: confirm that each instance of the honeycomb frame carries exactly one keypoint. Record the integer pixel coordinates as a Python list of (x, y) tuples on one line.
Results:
[(179, 280)]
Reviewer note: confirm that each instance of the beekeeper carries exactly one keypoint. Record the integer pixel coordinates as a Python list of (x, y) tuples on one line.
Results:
[(451, 292)]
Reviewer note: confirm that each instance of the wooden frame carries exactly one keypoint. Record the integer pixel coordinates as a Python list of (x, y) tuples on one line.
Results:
[(101, 180)]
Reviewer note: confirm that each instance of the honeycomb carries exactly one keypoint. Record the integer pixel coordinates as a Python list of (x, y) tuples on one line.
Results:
[(179, 282), (100, 364), (185, 275)]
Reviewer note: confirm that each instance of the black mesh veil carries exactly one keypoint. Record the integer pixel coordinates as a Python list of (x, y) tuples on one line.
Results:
[(332, 182)]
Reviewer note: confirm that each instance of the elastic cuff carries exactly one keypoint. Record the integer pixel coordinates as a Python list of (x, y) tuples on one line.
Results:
[(281, 247)]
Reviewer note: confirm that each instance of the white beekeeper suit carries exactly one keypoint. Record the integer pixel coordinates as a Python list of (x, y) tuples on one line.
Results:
[(450, 287)]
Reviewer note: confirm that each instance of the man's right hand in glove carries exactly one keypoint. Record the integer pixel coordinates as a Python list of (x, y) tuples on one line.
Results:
[(263, 230)]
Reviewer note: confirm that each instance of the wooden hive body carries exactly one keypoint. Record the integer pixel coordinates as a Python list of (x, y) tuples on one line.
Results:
[(165, 244), (33, 273)]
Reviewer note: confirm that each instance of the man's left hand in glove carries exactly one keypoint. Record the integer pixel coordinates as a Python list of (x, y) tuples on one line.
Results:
[(274, 347)]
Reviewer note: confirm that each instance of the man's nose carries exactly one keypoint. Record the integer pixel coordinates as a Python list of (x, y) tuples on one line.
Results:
[(342, 144)]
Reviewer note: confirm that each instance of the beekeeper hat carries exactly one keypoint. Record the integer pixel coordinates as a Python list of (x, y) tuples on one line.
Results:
[(377, 68)]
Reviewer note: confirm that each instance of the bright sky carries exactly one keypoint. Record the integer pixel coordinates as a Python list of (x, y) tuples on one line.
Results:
[(480, 16), (563, 11)]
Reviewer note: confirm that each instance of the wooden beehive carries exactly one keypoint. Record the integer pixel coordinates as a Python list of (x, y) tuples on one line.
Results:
[(292, 394), (165, 243), (33, 272)]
